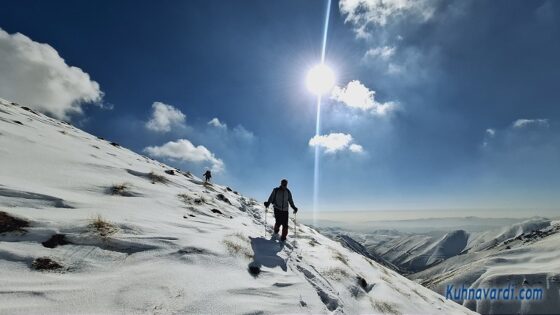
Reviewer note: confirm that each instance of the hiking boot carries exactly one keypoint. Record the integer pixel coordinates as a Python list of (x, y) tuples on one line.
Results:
[(283, 239)]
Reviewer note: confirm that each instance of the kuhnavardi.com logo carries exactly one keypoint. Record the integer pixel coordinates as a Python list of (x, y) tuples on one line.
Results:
[(506, 293)]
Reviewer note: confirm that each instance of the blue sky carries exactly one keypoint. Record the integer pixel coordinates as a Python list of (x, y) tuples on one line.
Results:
[(438, 104)]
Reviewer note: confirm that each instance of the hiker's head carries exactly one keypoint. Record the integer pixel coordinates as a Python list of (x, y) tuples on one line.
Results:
[(284, 183)]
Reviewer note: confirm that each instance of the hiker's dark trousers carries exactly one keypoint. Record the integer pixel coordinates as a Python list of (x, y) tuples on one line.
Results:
[(281, 220)]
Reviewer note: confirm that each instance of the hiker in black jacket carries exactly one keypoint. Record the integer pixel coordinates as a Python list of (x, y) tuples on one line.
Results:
[(281, 199), (207, 176)]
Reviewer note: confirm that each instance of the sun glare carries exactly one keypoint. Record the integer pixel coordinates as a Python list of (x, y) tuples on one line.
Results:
[(320, 79)]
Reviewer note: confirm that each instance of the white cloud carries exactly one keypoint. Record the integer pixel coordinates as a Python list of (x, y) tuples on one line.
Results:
[(356, 148), (516, 132), (184, 150), (357, 95), (363, 13), (217, 123), (521, 123), (164, 117), (238, 132), (241, 133), (380, 23), (34, 74), (394, 68), (489, 135), (335, 142), (384, 53)]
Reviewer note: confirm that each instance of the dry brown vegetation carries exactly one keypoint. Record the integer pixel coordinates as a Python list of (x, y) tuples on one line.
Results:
[(190, 200), (120, 189), (237, 244), (313, 242), (9, 223), (102, 227), (336, 273), (384, 307), (340, 257), (45, 263), (157, 178), (185, 198)]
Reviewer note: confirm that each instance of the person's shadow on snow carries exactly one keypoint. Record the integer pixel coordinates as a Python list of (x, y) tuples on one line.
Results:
[(265, 254)]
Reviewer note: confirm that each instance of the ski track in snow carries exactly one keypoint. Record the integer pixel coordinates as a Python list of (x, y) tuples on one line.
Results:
[(164, 243)]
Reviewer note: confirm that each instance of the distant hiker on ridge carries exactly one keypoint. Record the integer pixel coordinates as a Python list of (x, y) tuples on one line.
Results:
[(281, 199), (207, 176)]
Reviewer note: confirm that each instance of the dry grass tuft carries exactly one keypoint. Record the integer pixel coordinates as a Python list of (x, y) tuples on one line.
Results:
[(313, 242), (11, 224), (384, 307), (336, 273), (45, 263), (340, 257), (237, 244), (120, 189), (157, 178), (188, 200), (185, 198), (102, 227)]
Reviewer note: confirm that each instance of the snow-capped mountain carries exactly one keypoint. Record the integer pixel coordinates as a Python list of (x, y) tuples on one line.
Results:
[(87, 226), (523, 255)]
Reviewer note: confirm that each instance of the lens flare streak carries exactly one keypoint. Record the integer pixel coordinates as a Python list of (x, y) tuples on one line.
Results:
[(318, 121)]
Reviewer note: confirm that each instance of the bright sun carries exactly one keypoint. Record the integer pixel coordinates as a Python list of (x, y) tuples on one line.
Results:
[(320, 79)]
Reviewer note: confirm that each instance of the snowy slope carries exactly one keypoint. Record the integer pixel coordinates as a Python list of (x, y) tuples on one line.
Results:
[(527, 258), (524, 255), (134, 239), (412, 253), (490, 239)]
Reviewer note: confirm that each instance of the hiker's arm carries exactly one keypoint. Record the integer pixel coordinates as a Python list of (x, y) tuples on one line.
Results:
[(291, 201), (270, 198)]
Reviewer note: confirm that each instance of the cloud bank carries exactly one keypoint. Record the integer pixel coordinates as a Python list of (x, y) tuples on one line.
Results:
[(384, 53), (363, 14), (215, 122), (34, 74), (164, 117), (522, 132), (238, 132), (335, 142), (522, 123), (184, 150)]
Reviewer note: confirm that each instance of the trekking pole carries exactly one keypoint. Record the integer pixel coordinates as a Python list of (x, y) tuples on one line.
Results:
[(266, 208), (295, 226)]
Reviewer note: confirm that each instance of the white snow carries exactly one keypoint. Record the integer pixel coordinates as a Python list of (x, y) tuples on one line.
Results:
[(524, 255), (164, 250)]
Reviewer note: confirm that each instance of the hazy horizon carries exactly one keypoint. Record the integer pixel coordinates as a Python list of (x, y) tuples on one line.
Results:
[(411, 214), (419, 221)]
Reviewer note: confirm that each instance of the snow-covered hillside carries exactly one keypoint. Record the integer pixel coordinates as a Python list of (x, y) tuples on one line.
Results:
[(523, 255), (87, 226), (411, 252)]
